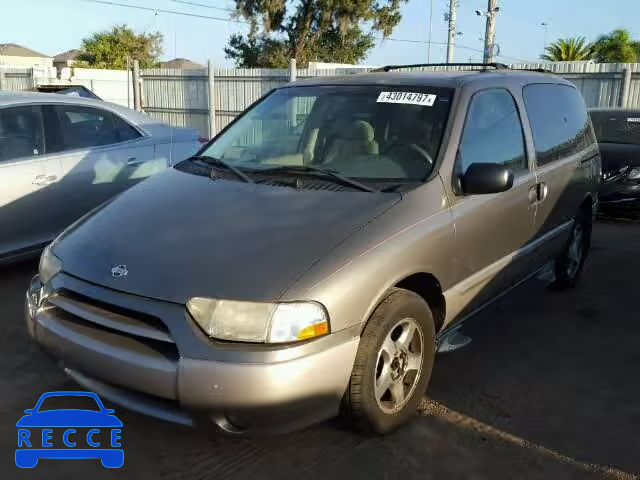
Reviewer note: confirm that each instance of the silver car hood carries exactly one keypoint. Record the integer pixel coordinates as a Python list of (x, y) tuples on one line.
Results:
[(181, 236)]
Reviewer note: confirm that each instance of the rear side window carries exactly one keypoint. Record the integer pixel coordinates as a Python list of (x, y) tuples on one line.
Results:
[(617, 127), (559, 121), (492, 132), (21, 132), (86, 127), (125, 132)]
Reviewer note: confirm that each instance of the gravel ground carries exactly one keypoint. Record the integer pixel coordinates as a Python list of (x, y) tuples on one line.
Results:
[(548, 389)]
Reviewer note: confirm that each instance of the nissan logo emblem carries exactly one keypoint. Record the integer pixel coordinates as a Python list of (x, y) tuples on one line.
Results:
[(119, 271)]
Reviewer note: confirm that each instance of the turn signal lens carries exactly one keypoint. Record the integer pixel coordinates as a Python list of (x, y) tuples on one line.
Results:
[(296, 321), (312, 331)]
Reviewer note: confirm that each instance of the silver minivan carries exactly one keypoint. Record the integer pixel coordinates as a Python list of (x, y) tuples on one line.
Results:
[(61, 156), (313, 257)]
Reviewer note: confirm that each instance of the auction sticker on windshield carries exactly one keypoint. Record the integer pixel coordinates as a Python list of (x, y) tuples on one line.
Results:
[(412, 98)]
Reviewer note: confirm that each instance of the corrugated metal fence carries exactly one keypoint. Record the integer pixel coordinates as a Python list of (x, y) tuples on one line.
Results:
[(601, 84), (181, 97), (16, 78)]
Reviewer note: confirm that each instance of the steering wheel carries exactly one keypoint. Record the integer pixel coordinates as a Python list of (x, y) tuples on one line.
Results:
[(415, 148)]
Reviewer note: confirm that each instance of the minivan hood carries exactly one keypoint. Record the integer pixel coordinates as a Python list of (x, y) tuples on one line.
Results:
[(181, 236)]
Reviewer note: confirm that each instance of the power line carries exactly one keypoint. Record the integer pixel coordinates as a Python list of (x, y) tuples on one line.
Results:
[(477, 50), (232, 10), (172, 12), (208, 17)]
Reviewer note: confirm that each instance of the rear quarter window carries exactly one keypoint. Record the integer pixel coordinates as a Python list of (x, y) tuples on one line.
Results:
[(559, 121)]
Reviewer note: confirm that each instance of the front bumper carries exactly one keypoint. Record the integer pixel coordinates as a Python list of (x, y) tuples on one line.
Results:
[(150, 357), (620, 190)]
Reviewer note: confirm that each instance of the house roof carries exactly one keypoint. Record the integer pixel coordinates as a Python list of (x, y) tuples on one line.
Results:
[(68, 55), (183, 63), (15, 50)]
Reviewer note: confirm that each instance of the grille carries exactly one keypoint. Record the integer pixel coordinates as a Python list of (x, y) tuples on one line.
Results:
[(97, 315)]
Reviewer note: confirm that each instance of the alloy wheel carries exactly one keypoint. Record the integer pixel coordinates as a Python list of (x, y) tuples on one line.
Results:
[(398, 365)]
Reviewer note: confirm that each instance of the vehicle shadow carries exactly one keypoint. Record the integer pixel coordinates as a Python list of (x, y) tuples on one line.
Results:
[(558, 369)]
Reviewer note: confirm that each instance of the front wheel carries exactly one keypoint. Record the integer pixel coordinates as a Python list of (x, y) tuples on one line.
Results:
[(569, 265), (393, 364)]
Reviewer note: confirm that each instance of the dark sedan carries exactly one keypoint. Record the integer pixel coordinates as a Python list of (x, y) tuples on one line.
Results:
[(618, 133)]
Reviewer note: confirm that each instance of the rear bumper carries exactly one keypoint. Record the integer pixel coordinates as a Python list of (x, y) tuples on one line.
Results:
[(244, 389)]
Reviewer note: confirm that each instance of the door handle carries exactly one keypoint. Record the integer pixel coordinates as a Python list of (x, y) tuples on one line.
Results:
[(533, 195), (134, 161), (538, 193), (44, 180), (543, 191)]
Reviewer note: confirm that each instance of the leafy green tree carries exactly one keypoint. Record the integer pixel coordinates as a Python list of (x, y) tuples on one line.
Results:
[(340, 31), (616, 47), (109, 49), (568, 50)]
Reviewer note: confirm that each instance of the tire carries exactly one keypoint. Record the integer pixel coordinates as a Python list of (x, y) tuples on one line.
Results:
[(397, 347), (570, 262)]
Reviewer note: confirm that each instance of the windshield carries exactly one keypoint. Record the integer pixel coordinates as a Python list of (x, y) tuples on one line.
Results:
[(364, 132), (617, 127)]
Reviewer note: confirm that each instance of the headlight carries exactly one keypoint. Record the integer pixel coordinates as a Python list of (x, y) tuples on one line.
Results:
[(259, 322), (634, 174), (50, 265)]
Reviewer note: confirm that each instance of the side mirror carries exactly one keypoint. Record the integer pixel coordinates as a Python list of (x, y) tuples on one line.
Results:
[(109, 410), (485, 178), (29, 411)]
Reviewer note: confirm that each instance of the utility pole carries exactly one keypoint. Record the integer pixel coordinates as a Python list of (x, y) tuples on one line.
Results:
[(451, 40), (545, 25), (490, 32), (430, 31)]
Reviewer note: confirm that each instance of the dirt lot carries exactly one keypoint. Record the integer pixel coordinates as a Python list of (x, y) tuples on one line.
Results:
[(548, 389)]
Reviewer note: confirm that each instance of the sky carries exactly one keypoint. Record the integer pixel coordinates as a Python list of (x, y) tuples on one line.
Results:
[(53, 27)]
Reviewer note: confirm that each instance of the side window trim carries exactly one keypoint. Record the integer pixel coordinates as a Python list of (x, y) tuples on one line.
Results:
[(527, 157)]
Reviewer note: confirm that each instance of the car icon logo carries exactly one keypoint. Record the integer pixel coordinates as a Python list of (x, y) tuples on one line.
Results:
[(78, 428), (119, 271)]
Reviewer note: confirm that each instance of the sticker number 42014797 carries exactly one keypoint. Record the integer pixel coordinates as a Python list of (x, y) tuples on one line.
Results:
[(412, 98)]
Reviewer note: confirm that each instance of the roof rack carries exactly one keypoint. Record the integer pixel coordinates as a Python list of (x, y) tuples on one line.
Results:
[(539, 70), (497, 66)]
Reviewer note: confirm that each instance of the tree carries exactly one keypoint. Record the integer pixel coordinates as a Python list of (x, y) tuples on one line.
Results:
[(340, 31), (568, 50), (109, 49), (616, 47)]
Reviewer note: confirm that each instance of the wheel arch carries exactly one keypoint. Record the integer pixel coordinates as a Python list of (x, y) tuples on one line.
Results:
[(427, 287)]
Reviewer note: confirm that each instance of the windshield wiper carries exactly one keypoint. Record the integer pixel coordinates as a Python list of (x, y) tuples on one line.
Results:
[(308, 169), (221, 163)]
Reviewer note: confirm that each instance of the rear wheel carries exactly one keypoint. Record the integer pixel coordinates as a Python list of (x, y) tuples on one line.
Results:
[(569, 265), (393, 364)]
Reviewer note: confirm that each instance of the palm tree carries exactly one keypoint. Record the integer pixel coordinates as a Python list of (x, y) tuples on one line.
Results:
[(616, 47), (568, 50)]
